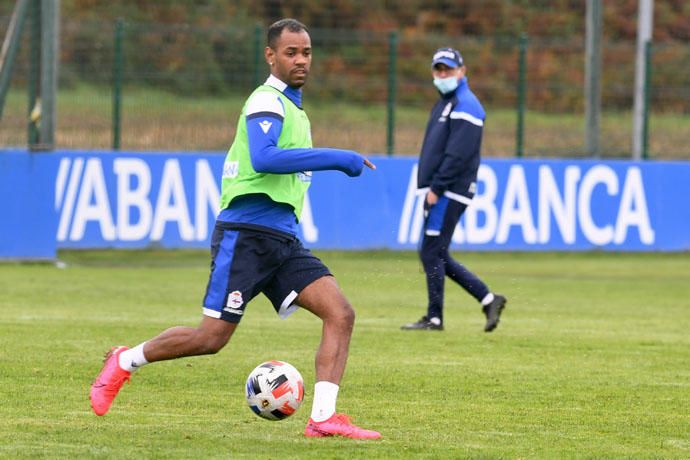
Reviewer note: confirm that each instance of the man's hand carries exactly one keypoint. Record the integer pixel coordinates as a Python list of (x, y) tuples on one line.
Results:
[(369, 164), (431, 198)]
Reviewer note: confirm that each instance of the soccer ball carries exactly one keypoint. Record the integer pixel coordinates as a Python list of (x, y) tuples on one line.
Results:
[(274, 390)]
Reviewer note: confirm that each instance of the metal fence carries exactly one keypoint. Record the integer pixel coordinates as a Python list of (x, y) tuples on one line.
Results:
[(161, 87)]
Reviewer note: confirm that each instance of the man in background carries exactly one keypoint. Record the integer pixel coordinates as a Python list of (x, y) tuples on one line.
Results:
[(447, 175), (254, 245)]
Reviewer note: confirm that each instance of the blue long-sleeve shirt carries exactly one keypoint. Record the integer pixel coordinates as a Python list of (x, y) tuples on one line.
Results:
[(264, 118)]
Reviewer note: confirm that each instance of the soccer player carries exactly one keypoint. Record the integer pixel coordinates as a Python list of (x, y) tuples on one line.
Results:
[(447, 174), (254, 246)]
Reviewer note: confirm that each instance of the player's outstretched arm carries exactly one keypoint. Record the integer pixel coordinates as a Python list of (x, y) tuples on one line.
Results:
[(267, 157)]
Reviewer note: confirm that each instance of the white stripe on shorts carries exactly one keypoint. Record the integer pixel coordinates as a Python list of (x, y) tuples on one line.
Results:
[(211, 313), (287, 307)]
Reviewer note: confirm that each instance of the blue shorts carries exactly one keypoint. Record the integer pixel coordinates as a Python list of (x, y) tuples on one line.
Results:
[(246, 260)]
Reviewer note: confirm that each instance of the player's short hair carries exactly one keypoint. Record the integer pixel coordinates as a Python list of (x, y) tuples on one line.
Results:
[(274, 31)]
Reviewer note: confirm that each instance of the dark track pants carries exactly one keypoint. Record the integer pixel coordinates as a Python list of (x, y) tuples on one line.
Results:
[(439, 226)]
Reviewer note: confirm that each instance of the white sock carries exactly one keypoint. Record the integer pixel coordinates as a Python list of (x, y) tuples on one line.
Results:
[(325, 394), (132, 359), (488, 299)]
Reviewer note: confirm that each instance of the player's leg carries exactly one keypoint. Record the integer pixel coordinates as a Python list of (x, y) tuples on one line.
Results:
[(235, 278), (431, 254), (177, 342), (303, 280), (492, 304), (221, 311), (324, 298), (453, 269)]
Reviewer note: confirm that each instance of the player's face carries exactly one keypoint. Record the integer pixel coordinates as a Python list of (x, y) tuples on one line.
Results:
[(291, 58), (443, 71)]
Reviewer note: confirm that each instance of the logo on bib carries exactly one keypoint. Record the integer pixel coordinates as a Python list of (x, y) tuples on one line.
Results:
[(265, 126)]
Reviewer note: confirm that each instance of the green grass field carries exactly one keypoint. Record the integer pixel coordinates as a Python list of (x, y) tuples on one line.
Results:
[(591, 360)]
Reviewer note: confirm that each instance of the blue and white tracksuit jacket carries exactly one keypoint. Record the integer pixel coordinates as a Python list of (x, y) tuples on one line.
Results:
[(450, 155)]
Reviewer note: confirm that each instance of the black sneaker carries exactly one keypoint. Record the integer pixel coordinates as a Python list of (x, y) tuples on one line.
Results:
[(493, 312), (423, 324)]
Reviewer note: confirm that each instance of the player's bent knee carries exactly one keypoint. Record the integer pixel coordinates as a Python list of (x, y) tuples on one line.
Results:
[(210, 340), (350, 314), (206, 345), (345, 315), (342, 315)]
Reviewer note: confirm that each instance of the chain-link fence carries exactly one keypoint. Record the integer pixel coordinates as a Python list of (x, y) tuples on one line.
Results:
[(182, 87)]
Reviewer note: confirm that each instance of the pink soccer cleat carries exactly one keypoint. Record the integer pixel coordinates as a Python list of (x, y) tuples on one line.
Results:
[(338, 425), (108, 382)]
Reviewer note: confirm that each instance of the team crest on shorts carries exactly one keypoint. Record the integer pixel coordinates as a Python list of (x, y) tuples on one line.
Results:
[(234, 303)]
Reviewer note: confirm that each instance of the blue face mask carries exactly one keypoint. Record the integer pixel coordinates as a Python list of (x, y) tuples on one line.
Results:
[(446, 85)]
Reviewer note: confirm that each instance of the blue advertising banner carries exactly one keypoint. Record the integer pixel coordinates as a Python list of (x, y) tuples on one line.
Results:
[(27, 206), (137, 200), (520, 205)]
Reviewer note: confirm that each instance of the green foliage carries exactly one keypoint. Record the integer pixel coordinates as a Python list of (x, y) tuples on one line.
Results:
[(561, 18), (209, 47), (590, 361)]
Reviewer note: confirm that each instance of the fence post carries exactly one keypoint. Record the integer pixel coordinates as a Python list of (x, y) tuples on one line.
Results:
[(521, 90), (10, 47), (257, 55), (34, 69), (645, 26), (392, 58), (593, 78), (647, 89), (50, 39), (117, 84)]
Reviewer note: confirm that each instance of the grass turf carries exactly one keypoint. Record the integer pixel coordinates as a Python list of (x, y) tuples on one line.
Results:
[(591, 359)]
